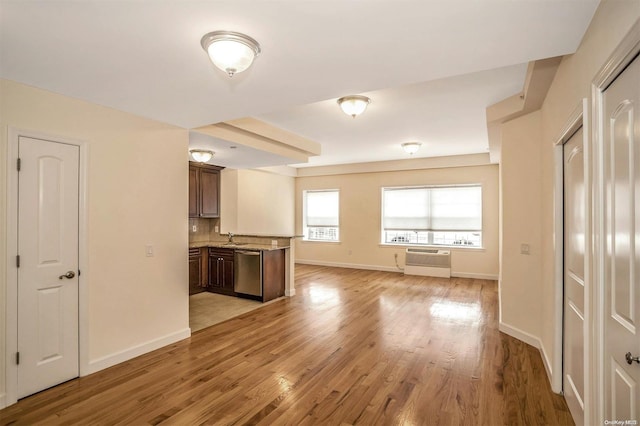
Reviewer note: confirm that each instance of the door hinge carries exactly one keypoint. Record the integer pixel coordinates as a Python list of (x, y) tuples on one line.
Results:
[(17, 261), (18, 164), (18, 358)]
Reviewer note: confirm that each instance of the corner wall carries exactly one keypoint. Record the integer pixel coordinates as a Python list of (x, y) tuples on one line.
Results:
[(520, 274), (534, 295), (360, 219), (137, 180)]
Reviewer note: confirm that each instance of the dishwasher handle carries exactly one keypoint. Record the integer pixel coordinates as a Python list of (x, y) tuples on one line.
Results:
[(248, 253)]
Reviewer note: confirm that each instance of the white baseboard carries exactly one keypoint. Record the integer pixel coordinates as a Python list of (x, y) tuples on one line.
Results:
[(548, 367), (389, 269), (529, 339), (134, 351), (493, 277), (532, 340), (290, 292), (348, 265), (3, 400)]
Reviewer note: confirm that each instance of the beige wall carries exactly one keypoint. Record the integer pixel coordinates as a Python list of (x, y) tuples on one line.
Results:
[(137, 195), (360, 213), (520, 287), (256, 202)]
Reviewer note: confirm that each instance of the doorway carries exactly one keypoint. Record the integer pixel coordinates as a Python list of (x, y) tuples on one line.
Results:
[(574, 249), (621, 251), (617, 130), (44, 215)]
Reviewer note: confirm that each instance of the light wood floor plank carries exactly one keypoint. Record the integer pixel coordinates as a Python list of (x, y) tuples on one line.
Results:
[(352, 347)]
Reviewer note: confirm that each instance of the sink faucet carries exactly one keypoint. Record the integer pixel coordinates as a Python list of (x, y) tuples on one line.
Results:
[(230, 237)]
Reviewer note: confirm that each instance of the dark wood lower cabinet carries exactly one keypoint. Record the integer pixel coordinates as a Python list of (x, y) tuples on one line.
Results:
[(221, 271), (272, 274), (196, 271), (211, 269)]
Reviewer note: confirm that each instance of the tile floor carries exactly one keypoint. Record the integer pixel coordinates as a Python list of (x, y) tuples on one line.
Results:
[(207, 309)]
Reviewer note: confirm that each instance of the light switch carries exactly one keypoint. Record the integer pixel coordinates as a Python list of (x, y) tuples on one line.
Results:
[(194, 228), (525, 249), (149, 251)]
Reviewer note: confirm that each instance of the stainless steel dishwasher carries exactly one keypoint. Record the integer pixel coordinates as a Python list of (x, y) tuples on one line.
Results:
[(248, 272)]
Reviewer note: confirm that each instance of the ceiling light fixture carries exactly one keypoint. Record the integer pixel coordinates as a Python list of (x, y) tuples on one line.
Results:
[(230, 51), (411, 147), (201, 155), (354, 104)]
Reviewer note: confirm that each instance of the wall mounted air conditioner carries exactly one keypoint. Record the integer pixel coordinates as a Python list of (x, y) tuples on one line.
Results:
[(428, 262)]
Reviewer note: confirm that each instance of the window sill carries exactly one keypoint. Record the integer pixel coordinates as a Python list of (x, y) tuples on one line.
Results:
[(432, 247), (320, 241)]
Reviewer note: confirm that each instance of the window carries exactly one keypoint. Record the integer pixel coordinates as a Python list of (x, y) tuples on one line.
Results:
[(320, 215), (432, 215)]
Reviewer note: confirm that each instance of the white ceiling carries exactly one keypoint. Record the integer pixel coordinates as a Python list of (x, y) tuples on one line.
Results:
[(431, 67)]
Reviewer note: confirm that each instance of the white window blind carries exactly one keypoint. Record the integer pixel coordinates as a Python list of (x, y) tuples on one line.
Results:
[(452, 208), (322, 208)]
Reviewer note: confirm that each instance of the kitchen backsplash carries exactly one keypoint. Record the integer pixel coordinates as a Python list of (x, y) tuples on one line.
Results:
[(205, 230)]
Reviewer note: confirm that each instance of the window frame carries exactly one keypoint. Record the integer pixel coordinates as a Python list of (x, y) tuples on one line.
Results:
[(430, 243), (305, 227)]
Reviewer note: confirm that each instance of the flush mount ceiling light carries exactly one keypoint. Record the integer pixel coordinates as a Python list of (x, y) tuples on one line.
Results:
[(354, 104), (230, 51), (411, 147), (201, 155)]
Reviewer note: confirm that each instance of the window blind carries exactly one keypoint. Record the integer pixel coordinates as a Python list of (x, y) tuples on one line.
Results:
[(321, 208), (454, 208)]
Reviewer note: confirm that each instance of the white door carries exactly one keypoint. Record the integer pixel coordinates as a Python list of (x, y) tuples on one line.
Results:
[(621, 173), (48, 268), (574, 250)]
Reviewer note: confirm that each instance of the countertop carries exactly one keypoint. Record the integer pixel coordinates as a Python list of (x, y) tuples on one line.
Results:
[(237, 246)]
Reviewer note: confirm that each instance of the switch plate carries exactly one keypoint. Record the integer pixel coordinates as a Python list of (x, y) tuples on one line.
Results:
[(216, 229), (525, 249), (194, 228), (149, 250)]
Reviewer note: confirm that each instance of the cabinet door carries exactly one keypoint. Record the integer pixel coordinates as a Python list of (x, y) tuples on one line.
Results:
[(215, 272), (195, 274), (204, 268), (193, 192), (227, 274), (209, 193)]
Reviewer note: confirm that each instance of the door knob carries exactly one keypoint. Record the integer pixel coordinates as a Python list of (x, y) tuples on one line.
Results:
[(68, 275), (630, 358)]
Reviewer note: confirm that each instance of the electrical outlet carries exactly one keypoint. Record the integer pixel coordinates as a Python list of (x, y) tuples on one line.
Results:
[(525, 249), (149, 251), (216, 228), (194, 228)]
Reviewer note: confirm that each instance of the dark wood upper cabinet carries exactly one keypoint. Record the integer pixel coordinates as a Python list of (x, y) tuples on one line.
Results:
[(204, 190), (193, 191)]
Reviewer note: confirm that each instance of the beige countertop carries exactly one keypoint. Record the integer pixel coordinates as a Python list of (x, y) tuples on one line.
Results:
[(238, 246)]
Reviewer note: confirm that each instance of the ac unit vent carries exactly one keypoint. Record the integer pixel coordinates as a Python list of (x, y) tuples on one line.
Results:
[(428, 262)]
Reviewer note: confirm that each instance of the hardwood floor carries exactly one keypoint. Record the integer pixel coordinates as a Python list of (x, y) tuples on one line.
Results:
[(352, 347)]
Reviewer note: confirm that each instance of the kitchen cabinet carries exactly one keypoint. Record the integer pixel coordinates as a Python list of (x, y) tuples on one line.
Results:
[(204, 190), (273, 274), (221, 271), (197, 271)]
